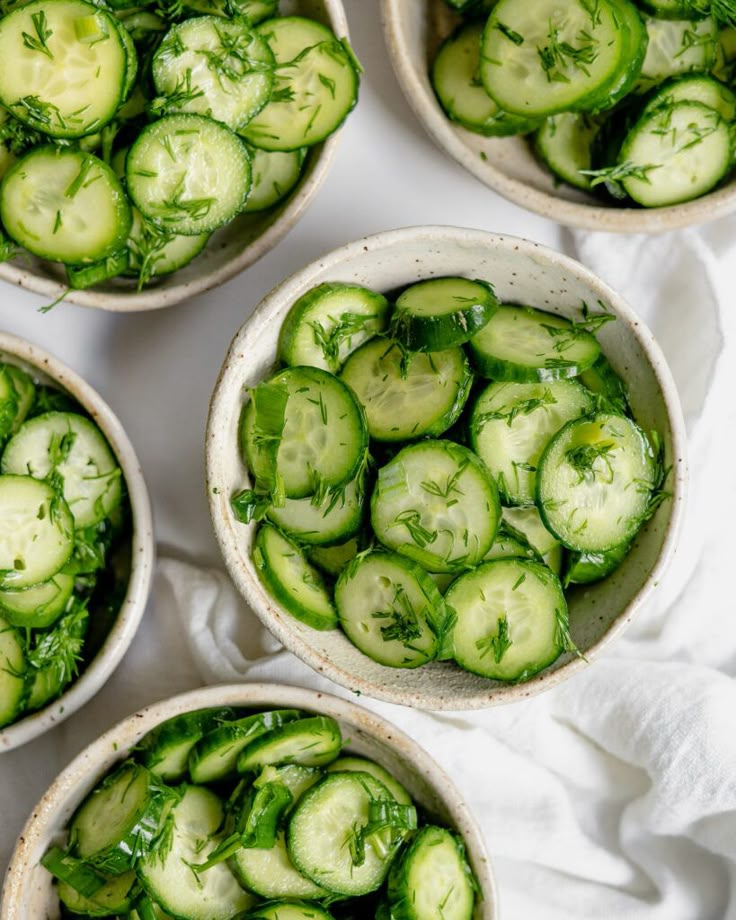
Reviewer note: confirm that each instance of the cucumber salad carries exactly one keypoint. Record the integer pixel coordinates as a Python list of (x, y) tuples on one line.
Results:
[(64, 522), (433, 474), (632, 100), (221, 813), (130, 132)]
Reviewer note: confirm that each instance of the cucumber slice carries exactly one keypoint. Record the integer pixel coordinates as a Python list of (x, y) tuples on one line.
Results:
[(293, 776), (70, 67), (272, 874), (215, 756), (316, 86), (115, 897), (670, 9), (310, 742), (70, 451), (120, 819), (252, 10), (507, 544), (432, 879), (526, 525), (584, 568), (361, 765), (17, 391), (674, 154), (594, 483), (36, 532), (64, 205), (53, 656), (456, 82), (328, 323), (167, 875), (524, 344), (391, 610), (40, 605), (188, 174), (511, 619), (331, 813), (289, 910), (337, 517), (153, 251), (512, 423), (12, 673), (604, 382), (275, 175), (443, 312), (82, 277), (408, 396), (436, 503), (289, 578), (676, 47), (165, 750), (539, 59), (324, 438), (333, 559), (564, 143), (214, 67), (696, 88)]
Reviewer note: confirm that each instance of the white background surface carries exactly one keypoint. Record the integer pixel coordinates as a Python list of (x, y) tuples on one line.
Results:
[(157, 371)]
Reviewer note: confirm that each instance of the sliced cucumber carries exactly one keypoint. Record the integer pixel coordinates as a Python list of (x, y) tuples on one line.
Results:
[(115, 897), (64, 205), (696, 87), (604, 382), (584, 568), (595, 481), (69, 450), (361, 765), (432, 879), (526, 525), (16, 398), (271, 873), (333, 559), (70, 67), (153, 251), (436, 503), (275, 175), (408, 396), (12, 673), (316, 86), (391, 610), (188, 174), (564, 143), (53, 655), (82, 277), (310, 742), (677, 46), (328, 323), (331, 813), (512, 423), (324, 438), (215, 756), (443, 312), (334, 519), (507, 544), (214, 67), (287, 575), (524, 344), (166, 749), (36, 532), (511, 619), (456, 82), (289, 910)]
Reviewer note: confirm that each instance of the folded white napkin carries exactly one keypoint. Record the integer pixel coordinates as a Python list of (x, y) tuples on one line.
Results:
[(613, 796)]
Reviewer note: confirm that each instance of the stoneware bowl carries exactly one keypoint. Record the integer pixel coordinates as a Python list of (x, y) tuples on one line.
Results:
[(48, 369), (413, 31), (28, 892), (231, 249), (523, 272)]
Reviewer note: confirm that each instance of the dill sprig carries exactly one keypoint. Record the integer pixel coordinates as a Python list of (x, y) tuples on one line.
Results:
[(557, 57), (614, 176), (498, 643), (38, 42)]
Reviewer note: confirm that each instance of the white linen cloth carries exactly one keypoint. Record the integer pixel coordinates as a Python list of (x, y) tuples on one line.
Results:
[(611, 797)]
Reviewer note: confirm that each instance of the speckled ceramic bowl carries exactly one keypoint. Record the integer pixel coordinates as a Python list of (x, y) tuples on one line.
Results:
[(413, 31), (46, 368), (231, 250), (520, 271), (28, 892)]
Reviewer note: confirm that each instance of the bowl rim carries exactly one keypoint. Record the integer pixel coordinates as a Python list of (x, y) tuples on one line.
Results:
[(116, 643), (448, 137), (293, 287), (113, 744), (158, 298)]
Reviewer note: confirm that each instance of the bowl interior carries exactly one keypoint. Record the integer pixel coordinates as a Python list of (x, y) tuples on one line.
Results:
[(231, 249), (28, 889), (523, 273), (105, 647), (414, 30)]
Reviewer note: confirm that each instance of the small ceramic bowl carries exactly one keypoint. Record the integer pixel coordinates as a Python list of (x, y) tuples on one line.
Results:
[(48, 369), (414, 30), (520, 271), (231, 249), (28, 892)]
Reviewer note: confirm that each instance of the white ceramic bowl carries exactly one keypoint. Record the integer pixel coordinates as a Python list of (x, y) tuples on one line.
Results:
[(232, 248), (49, 369), (413, 30), (520, 271), (27, 892)]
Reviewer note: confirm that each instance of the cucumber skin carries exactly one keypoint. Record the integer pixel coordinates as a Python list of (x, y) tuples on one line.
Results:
[(174, 731), (439, 333), (585, 568), (316, 723)]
